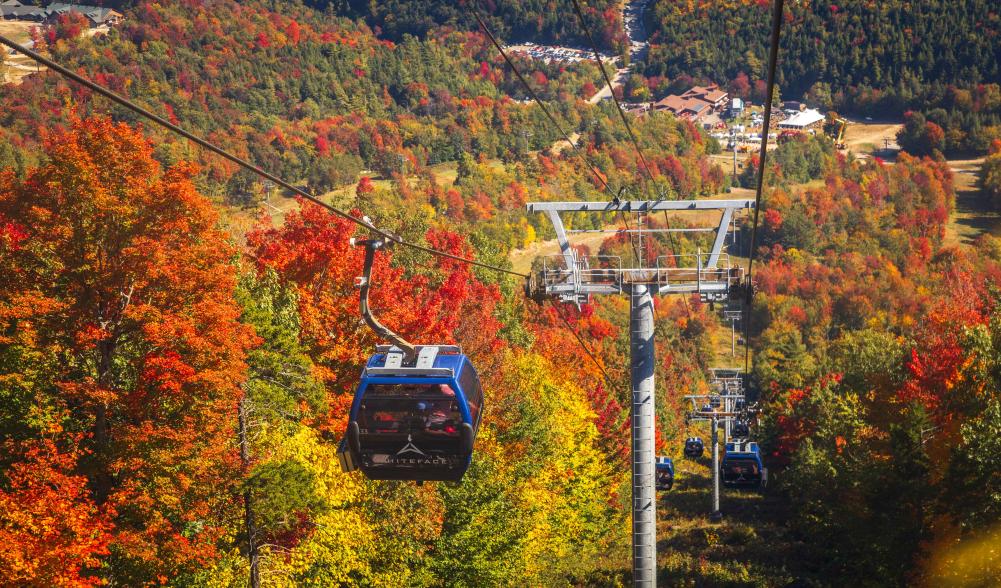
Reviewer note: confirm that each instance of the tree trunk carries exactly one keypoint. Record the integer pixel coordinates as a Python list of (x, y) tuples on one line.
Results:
[(248, 504), (102, 479)]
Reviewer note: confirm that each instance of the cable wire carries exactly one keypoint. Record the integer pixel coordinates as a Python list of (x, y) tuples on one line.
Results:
[(553, 121), (545, 110), (611, 89), (622, 115), (632, 137), (580, 341), (773, 54), (122, 101)]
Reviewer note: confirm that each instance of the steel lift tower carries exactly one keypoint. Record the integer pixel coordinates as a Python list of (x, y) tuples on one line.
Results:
[(728, 389), (573, 278)]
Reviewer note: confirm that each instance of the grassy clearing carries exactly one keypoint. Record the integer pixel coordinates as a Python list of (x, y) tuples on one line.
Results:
[(870, 137), (239, 221), (973, 215), (750, 547), (16, 67)]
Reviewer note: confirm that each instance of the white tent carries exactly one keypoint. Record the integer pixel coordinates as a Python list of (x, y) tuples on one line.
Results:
[(802, 120)]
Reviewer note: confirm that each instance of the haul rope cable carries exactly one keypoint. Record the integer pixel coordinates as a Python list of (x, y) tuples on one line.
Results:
[(247, 165), (772, 59), (528, 88), (611, 89), (632, 137), (553, 120)]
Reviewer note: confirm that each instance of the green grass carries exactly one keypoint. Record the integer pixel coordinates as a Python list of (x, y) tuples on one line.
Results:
[(973, 215), (750, 547)]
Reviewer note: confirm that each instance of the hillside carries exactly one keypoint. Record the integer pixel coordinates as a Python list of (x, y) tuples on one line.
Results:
[(178, 365), (534, 20), (877, 59)]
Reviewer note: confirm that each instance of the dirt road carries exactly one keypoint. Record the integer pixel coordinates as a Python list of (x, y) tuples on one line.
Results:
[(16, 67), (606, 91)]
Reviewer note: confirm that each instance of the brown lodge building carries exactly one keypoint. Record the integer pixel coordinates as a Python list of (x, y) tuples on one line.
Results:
[(694, 103)]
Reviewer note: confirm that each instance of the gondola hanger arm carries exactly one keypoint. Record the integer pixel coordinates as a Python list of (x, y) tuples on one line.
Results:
[(364, 283)]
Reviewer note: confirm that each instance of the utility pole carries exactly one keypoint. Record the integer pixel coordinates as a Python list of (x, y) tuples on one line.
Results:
[(573, 278), (733, 141), (726, 424)]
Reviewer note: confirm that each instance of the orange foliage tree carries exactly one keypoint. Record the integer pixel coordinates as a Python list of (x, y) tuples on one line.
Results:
[(122, 291), (51, 530)]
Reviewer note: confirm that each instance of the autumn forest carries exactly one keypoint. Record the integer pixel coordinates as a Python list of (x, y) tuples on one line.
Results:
[(181, 341)]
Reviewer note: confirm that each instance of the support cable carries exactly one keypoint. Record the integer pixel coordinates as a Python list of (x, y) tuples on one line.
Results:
[(580, 341), (632, 137), (542, 106), (772, 60), (528, 88), (618, 106)]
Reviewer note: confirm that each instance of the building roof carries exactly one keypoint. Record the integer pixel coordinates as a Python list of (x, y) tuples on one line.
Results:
[(94, 13), (715, 96), (673, 102), (803, 119), (21, 11), (696, 105), (678, 104), (11, 3), (694, 91), (711, 93)]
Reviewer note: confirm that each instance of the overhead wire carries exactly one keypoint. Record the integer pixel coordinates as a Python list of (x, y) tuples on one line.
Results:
[(535, 97), (580, 341), (625, 121), (122, 101), (776, 35), (542, 106), (611, 89), (632, 138), (125, 102)]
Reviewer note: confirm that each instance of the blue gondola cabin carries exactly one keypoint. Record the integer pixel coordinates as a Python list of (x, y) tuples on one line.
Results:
[(694, 447), (664, 467), (741, 429), (414, 422), (742, 466)]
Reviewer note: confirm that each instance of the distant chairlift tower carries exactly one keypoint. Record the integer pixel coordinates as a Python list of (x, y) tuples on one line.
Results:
[(573, 278)]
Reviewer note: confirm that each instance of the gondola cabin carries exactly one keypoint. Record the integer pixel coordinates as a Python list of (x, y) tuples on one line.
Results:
[(742, 467), (664, 472), (414, 422), (694, 447), (741, 430)]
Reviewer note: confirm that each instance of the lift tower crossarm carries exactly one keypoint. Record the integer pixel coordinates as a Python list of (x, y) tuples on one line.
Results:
[(553, 210), (706, 273), (640, 205)]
